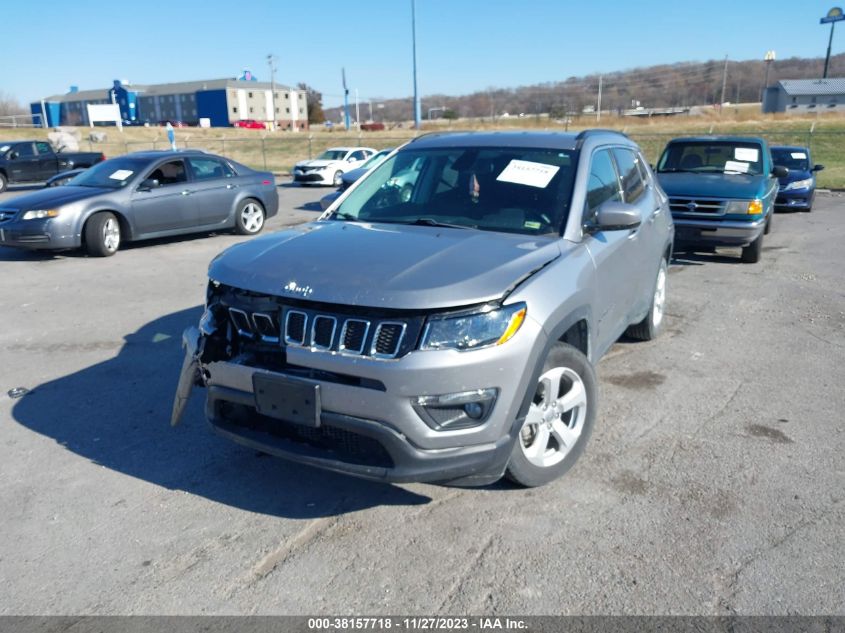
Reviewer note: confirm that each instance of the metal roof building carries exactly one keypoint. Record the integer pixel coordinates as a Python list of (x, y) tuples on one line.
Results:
[(802, 96), (222, 101)]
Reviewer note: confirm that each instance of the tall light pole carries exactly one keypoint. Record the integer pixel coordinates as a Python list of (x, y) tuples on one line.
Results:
[(833, 16), (769, 57), (271, 61), (417, 108)]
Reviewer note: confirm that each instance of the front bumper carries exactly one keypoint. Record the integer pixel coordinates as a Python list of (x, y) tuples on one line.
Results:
[(375, 432), (312, 177), (718, 232), (795, 199), (37, 234)]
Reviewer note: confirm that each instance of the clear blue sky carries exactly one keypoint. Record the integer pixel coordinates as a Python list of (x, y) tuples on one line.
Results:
[(462, 45)]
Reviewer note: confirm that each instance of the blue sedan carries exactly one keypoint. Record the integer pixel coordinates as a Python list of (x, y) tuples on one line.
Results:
[(797, 189)]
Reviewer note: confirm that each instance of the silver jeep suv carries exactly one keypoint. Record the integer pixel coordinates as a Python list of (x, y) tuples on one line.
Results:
[(441, 320)]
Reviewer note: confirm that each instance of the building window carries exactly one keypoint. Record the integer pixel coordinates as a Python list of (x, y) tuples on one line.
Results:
[(287, 95), (249, 94), (277, 110), (251, 109), (234, 110), (813, 100)]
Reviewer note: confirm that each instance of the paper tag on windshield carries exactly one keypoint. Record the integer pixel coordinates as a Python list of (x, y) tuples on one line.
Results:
[(4, 148), (121, 174), (747, 153), (523, 172), (798, 155), (733, 165)]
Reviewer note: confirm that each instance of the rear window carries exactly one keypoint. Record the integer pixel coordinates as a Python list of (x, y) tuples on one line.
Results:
[(712, 156)]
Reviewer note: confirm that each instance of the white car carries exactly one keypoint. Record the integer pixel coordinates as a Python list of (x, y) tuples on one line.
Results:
[(328, 168)]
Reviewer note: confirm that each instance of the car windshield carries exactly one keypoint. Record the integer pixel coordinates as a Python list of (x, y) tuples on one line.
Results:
[(507, 189), (712, 156), (795, 158), (332, 154), (111, 174)]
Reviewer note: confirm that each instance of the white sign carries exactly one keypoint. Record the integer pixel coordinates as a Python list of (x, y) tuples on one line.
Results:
[(798, 155), (205, 122), (747, 153), (732, 165), (104, 112), (524, 172), (121, 174)]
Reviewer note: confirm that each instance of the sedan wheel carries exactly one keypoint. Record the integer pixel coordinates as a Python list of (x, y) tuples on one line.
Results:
[(102, 235), (250, 218)]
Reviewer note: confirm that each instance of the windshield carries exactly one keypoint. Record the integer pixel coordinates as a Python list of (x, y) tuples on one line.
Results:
[(332, 154), (506, 189), (712, 156), (110, 174), (793, 158)]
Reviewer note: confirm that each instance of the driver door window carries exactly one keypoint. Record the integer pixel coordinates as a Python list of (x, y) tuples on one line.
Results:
[(603, 184), (170, 173)]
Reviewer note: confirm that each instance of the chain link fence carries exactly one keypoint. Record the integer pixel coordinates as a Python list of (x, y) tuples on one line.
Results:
[(280, 154)]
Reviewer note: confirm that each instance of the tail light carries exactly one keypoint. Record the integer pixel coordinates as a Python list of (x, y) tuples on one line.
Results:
[(102, 157), (266, 182)]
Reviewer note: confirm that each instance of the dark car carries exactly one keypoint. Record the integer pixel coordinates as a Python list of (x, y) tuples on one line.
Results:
[(141, 196), (797, 189), (36, 161), (449, 335), (721, 191)]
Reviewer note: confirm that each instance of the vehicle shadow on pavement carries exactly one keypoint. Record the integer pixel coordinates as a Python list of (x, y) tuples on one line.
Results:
[(698, 258), (116, 414)]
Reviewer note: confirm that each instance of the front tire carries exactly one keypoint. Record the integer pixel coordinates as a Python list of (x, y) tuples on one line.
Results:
[(560, 419), (751, 253), (249, 218), (768, 228), (650, 327), (102, 235)]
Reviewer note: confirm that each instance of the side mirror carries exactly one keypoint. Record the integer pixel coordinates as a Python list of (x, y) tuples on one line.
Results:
[(617, 216), (13, 155), (351, 159), (149, 184), (818, 167), (779, 171)]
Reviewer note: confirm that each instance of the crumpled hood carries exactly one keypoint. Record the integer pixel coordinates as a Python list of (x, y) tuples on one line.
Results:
[(52, 197), (316, 163), (739, 186), (381, 265)]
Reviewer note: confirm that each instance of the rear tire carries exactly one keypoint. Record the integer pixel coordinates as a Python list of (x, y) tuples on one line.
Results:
[(249, 218), (651, 326), (559, 421), (751, 253), (102, 235)]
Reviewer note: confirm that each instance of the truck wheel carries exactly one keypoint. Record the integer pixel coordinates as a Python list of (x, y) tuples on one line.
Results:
[(768, 228), (102, 235), (649, 328), (249, 218), (3, 183), (559, 421), (751, 253)]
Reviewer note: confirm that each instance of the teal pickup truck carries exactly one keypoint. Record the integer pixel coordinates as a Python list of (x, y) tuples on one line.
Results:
[(721, 191)]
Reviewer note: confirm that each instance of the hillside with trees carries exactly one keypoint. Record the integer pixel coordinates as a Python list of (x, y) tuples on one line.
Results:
[(682, 84)]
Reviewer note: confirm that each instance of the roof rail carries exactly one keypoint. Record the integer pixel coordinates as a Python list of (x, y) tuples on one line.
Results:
[(582, 135)]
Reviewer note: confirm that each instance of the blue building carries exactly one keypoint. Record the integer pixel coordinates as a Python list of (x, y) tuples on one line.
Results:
[(223, 102)]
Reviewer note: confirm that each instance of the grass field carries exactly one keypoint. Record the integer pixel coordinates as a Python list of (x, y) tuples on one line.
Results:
[(278, 151)]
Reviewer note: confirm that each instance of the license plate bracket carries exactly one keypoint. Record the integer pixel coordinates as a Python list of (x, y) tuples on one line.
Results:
[(289, 399)]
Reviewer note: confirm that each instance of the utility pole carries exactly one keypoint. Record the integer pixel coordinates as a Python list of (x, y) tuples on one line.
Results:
[(598, 103), (371, 110), (724, 84), (417, 109), (357, 111), (271, 61)]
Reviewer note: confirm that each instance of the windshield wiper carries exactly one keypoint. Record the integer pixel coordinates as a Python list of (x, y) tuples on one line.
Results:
[(342, 215), (433, 222)]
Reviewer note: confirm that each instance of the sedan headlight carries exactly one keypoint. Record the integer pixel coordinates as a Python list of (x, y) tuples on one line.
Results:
[(751, 207), (799, 184), (489, 326), (40, 214)]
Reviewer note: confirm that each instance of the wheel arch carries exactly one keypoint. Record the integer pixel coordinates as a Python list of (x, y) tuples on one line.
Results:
[(125, 224)]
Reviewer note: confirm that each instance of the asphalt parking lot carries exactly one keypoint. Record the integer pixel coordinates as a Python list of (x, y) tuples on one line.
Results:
[(713, 484)]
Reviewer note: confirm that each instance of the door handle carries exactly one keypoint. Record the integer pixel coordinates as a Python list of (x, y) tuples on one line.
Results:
[(187, 192), (231, 186)]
